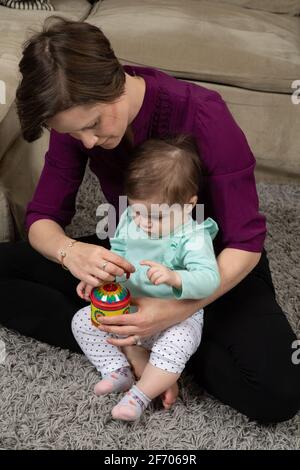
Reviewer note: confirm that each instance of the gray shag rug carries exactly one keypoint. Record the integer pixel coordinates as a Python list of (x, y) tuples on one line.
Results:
[(47, 399)]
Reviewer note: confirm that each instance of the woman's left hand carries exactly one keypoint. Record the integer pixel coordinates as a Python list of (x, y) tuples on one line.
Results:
[(152, 316)]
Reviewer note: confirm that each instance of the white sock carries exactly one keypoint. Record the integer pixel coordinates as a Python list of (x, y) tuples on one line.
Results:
[(131, 406), (117, 381)]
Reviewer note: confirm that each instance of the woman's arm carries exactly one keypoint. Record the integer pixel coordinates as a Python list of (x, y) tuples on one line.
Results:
[(155, 315), (84, 260), (53, 207), (234, 265), (47, 237)]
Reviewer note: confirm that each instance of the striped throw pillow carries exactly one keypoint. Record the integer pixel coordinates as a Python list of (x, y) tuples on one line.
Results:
[(28, 5)]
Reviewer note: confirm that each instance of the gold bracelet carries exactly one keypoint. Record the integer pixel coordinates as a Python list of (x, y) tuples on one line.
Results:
[(63, 253)]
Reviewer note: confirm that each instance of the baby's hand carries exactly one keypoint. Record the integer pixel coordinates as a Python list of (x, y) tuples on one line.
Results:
[(84, 290), (160, 274)]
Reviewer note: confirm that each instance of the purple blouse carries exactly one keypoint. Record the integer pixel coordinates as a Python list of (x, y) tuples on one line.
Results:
[(170, 107)]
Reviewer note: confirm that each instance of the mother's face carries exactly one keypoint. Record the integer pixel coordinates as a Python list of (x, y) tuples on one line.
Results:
[(102, 124)]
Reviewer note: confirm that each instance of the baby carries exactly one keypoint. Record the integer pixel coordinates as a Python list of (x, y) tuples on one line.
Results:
[(162, 183)]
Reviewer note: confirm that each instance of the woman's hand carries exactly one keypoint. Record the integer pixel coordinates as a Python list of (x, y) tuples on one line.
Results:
[(152, 316), (85, 261)]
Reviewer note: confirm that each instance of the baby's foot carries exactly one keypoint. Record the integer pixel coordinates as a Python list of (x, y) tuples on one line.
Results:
[(131, 406), (138, 357), (117, 381), (169, 397)]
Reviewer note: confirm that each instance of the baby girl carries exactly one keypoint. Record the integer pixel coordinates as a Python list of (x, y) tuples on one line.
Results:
[(174, 258)]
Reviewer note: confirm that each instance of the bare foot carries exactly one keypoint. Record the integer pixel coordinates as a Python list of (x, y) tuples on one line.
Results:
[(138, 358), (169, 397)]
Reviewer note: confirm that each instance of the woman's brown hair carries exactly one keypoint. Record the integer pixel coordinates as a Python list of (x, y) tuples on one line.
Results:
[(166, 170), (68, 63)]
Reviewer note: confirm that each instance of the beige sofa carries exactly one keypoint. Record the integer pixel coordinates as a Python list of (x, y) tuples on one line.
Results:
[(248, 50)]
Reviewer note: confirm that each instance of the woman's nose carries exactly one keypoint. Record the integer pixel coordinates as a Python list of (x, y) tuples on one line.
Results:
[(89, 142)]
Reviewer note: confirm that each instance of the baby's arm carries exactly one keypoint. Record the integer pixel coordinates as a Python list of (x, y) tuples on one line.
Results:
[(200, 276), (118, 242)]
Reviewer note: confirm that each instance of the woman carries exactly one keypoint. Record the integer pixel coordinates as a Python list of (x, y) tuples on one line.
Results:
[(98, 110)]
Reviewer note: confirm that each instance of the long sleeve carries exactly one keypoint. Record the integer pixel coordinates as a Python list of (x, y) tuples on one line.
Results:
[(230, 194), (200, 274), (235, 206), (119, 241), (55, 195)]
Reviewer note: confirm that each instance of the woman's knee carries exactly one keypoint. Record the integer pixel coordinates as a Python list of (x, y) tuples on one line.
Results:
[(277, 405), (276, 375), (269, 394), (275, 395)]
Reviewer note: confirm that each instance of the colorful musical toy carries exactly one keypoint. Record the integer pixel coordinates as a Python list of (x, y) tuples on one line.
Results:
[(109, 300)]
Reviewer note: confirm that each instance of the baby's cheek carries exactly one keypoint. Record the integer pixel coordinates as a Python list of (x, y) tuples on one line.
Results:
[(165, 227), (156, 227)]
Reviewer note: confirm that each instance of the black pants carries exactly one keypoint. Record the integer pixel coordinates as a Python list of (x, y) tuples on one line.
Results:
[(245, 356)]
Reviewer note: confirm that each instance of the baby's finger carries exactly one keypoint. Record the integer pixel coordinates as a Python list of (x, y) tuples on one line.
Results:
[(87, 292), (149, 263), (155, 276), (80, 289), (153, 270), (151, 274), (160, 280)]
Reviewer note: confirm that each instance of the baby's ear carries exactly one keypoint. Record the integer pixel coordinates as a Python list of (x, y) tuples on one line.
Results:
[(194, 200), (188, 208), (191, 204)]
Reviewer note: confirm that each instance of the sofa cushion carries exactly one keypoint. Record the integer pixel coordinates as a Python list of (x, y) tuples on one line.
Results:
[(200, 40), (271, 124), (15, 28), (291, 7), (28, 4), (20, 170), (6, 221)]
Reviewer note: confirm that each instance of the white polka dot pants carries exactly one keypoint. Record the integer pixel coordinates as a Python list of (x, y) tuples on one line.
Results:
[(170, 349)]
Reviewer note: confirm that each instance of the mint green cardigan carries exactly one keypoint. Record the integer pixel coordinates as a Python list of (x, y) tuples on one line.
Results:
[(188, 250)]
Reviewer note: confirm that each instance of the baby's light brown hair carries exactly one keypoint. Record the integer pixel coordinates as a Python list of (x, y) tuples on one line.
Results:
[(165, 171)]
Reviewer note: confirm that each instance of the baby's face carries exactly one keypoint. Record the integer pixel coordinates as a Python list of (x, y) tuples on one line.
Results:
[(157, 220)]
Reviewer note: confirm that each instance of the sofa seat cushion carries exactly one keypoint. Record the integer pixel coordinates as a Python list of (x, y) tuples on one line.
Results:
[(6, 221), (201, 40), (15, 28), (290, 7), (274, 140)]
